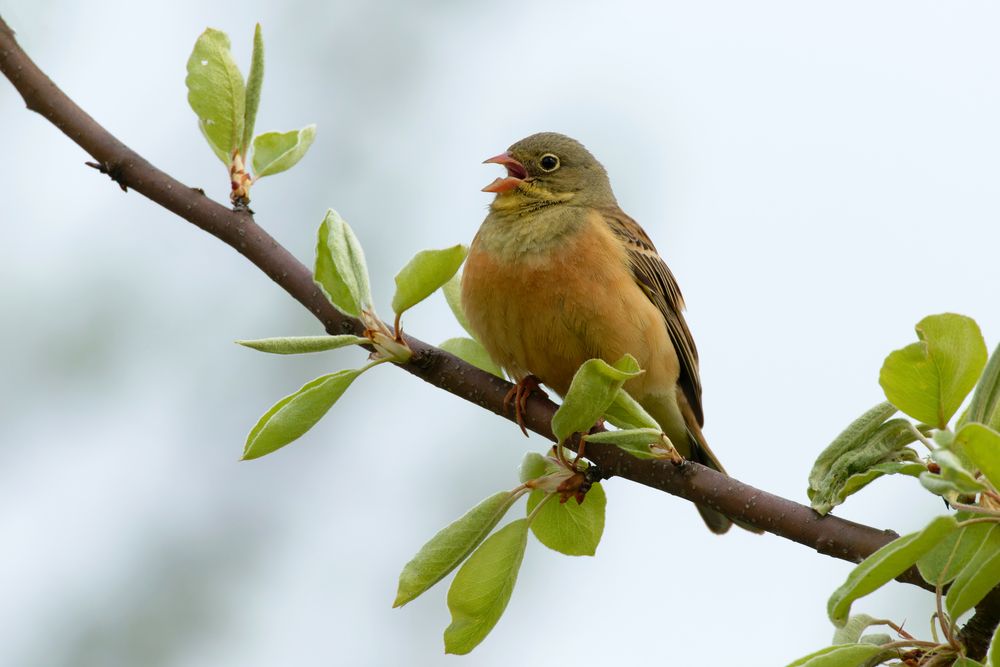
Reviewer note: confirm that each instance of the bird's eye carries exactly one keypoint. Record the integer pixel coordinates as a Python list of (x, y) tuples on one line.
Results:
[(549, 162)]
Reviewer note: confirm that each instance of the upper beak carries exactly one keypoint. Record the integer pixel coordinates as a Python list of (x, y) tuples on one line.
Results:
[(516, 173)]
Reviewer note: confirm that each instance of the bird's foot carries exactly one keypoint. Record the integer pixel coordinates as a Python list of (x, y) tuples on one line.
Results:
[(518, 396)]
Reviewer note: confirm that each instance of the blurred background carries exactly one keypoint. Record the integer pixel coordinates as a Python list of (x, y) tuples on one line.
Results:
[(818, 176)]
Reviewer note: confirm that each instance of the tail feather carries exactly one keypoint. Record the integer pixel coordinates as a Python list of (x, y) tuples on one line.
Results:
[(716, 521)]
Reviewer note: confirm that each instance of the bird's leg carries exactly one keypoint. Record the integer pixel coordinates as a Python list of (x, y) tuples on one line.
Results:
[(518, 395)]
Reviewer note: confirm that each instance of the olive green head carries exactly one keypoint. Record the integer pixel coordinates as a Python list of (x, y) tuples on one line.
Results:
[(552, 167)]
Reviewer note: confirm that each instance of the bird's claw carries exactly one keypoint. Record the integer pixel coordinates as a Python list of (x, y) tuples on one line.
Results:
[(518, 395)]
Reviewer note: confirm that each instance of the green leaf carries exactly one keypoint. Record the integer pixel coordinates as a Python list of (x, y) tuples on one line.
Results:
[(302, 344), (848, 655), (591, 392), (993, 654), (955, 551), (984, 408), (851, 632), (570, 528), (451, 546), (216, 92), (293, 415), (482, 587), (424, 274), (635, 441), (978, 577), (953, 471), (341, 271), (876, 638), (966, 662), (626, 413), (855, 435), (275, 152), (453, 295), (940, 486), (981, 445), (885, 565), (854, 468), (944, 438), (860, 480), (471, 351), (929, 380), (534, 465), (254, 82)]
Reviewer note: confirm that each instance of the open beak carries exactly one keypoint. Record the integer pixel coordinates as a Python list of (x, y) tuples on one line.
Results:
[(516, 173)]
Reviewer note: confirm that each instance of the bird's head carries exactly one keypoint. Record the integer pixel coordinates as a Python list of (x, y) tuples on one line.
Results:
[(550, 167)]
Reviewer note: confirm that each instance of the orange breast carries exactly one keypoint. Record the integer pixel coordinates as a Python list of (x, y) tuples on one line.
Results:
[(545, 313)]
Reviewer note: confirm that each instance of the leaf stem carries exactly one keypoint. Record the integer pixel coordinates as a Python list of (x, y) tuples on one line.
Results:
[(975, 509), (539, 506), (942, 618), (898, 629), (922, 438), (375, 362)]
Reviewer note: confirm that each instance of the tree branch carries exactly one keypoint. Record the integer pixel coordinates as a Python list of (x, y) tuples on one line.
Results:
[(828, 535)]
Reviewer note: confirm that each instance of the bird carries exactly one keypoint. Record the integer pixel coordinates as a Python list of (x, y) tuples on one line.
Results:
[(558, 274)]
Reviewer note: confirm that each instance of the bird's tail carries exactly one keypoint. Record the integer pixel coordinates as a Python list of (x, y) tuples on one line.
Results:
[(716, 521)]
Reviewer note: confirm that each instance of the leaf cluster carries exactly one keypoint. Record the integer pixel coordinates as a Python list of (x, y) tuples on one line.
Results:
[(226, 107), (959, 553)]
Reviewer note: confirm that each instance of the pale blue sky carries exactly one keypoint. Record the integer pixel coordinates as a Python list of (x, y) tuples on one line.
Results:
[(819, 177)]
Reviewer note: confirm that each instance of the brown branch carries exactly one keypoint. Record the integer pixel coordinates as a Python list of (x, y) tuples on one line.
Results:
[(828, 535), (976, 634)]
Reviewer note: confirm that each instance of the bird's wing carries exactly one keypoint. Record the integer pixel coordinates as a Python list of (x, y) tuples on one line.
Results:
[(654, 277)]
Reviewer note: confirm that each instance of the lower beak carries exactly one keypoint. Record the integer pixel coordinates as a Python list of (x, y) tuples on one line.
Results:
[(516, 173)]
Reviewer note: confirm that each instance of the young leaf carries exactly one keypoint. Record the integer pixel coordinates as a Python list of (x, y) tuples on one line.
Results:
[(471, 351), (534, 465), (453, 295), (386, 346), (216, 92), (984, 408), (856, 434), (978, 577), (938, 485), (955, 551), (451, 546), (851, 632), (302, 344), (255, 79), (887, 443), (482, 587), (847, 655), (876, 638), (275, 152), (885, 565), (626, 413), (592, 390), (966, 662), (824, 503), (635, 441), (953, 471), (341, 271), (293, 415), (981, 445), (424, 274), (928, 380), (570, 528)]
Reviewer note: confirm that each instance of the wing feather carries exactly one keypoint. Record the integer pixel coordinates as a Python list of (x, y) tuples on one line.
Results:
[(659, 284)]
